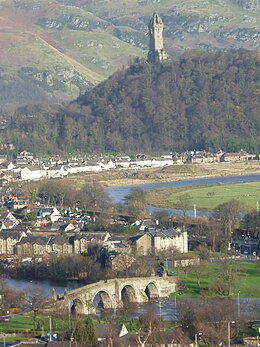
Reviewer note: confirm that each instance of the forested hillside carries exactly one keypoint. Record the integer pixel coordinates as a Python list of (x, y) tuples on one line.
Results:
[(201, 101)]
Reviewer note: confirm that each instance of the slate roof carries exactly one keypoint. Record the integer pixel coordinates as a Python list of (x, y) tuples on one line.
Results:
[(89, 236), (60, 240), (168, 233), (35, 168), (5, 234), (42, 240)]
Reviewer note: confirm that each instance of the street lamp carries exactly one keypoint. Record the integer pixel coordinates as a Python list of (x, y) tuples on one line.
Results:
[(238, 304), (175, 299), (196, 339), (249, 241), (232, 322), (160, 307), (241, 243), (69, 307)]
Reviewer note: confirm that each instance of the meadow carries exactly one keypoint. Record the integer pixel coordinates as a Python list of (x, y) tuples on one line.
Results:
[(247, 281), (208, 197)]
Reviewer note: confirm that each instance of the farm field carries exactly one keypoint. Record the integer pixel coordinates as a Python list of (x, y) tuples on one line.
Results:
[(208, 197)]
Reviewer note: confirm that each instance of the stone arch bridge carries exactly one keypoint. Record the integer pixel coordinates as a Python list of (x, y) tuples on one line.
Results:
[(114, 293)]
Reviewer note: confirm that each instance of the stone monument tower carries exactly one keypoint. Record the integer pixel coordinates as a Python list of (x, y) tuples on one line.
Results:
[(156, 51)]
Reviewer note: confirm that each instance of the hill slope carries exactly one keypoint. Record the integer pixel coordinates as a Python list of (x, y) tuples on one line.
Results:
[(201, 101), (103, 36)]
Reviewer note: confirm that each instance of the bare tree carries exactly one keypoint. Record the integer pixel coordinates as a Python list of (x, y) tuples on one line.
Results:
[(226, 277), (136, 202), (36, 299), (10, 297), (228, 213), (211, 319), (199, 270), (112, 338), (183, 204), (149, 323)]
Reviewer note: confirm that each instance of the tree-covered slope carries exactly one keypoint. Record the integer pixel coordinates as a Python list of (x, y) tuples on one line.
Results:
[(201, 101)]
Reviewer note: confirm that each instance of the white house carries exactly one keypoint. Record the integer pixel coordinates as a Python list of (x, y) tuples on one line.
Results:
[(31, 173), (57, 171), (160, 162), (106, 164), (52, 212)]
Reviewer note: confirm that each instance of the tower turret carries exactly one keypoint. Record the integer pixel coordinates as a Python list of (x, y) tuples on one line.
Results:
[(156, 50)]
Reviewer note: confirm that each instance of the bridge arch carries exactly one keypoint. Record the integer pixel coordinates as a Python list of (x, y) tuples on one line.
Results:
[(77, 307), (128, 294), (102, 299), (151, 291)]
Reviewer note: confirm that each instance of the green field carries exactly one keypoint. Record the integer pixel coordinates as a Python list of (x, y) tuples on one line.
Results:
[(24, 324), (208, 197), (248, 281)]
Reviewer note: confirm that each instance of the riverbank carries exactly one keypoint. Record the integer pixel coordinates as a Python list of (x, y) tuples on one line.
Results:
[(138, 176)]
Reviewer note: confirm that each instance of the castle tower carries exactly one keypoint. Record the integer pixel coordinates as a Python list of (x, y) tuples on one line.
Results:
[(156, 50)]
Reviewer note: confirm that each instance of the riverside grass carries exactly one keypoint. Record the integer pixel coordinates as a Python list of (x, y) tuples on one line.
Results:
[(208, 197), (248, 281)]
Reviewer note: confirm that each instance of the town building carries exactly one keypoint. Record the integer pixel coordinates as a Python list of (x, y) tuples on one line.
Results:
[(9, 239), (156, 241), (84, 241)]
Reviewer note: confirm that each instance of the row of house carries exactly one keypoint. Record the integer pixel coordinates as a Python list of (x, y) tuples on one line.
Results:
[(203, 157), (26, 167), (24, 244)]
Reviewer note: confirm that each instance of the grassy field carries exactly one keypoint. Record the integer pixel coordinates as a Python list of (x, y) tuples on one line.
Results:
[(248, 281), (24, 324), (208, 197)]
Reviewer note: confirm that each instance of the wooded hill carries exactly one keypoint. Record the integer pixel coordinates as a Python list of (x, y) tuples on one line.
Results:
[(200, 101)]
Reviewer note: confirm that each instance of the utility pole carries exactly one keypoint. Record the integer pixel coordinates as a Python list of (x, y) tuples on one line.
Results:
[(229, 342)]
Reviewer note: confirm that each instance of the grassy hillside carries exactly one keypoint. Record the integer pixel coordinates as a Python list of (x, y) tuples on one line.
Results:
[(60, 54), (103, 36)]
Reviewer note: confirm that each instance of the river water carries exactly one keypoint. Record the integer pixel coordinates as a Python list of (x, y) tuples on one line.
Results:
[(166, 309)]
